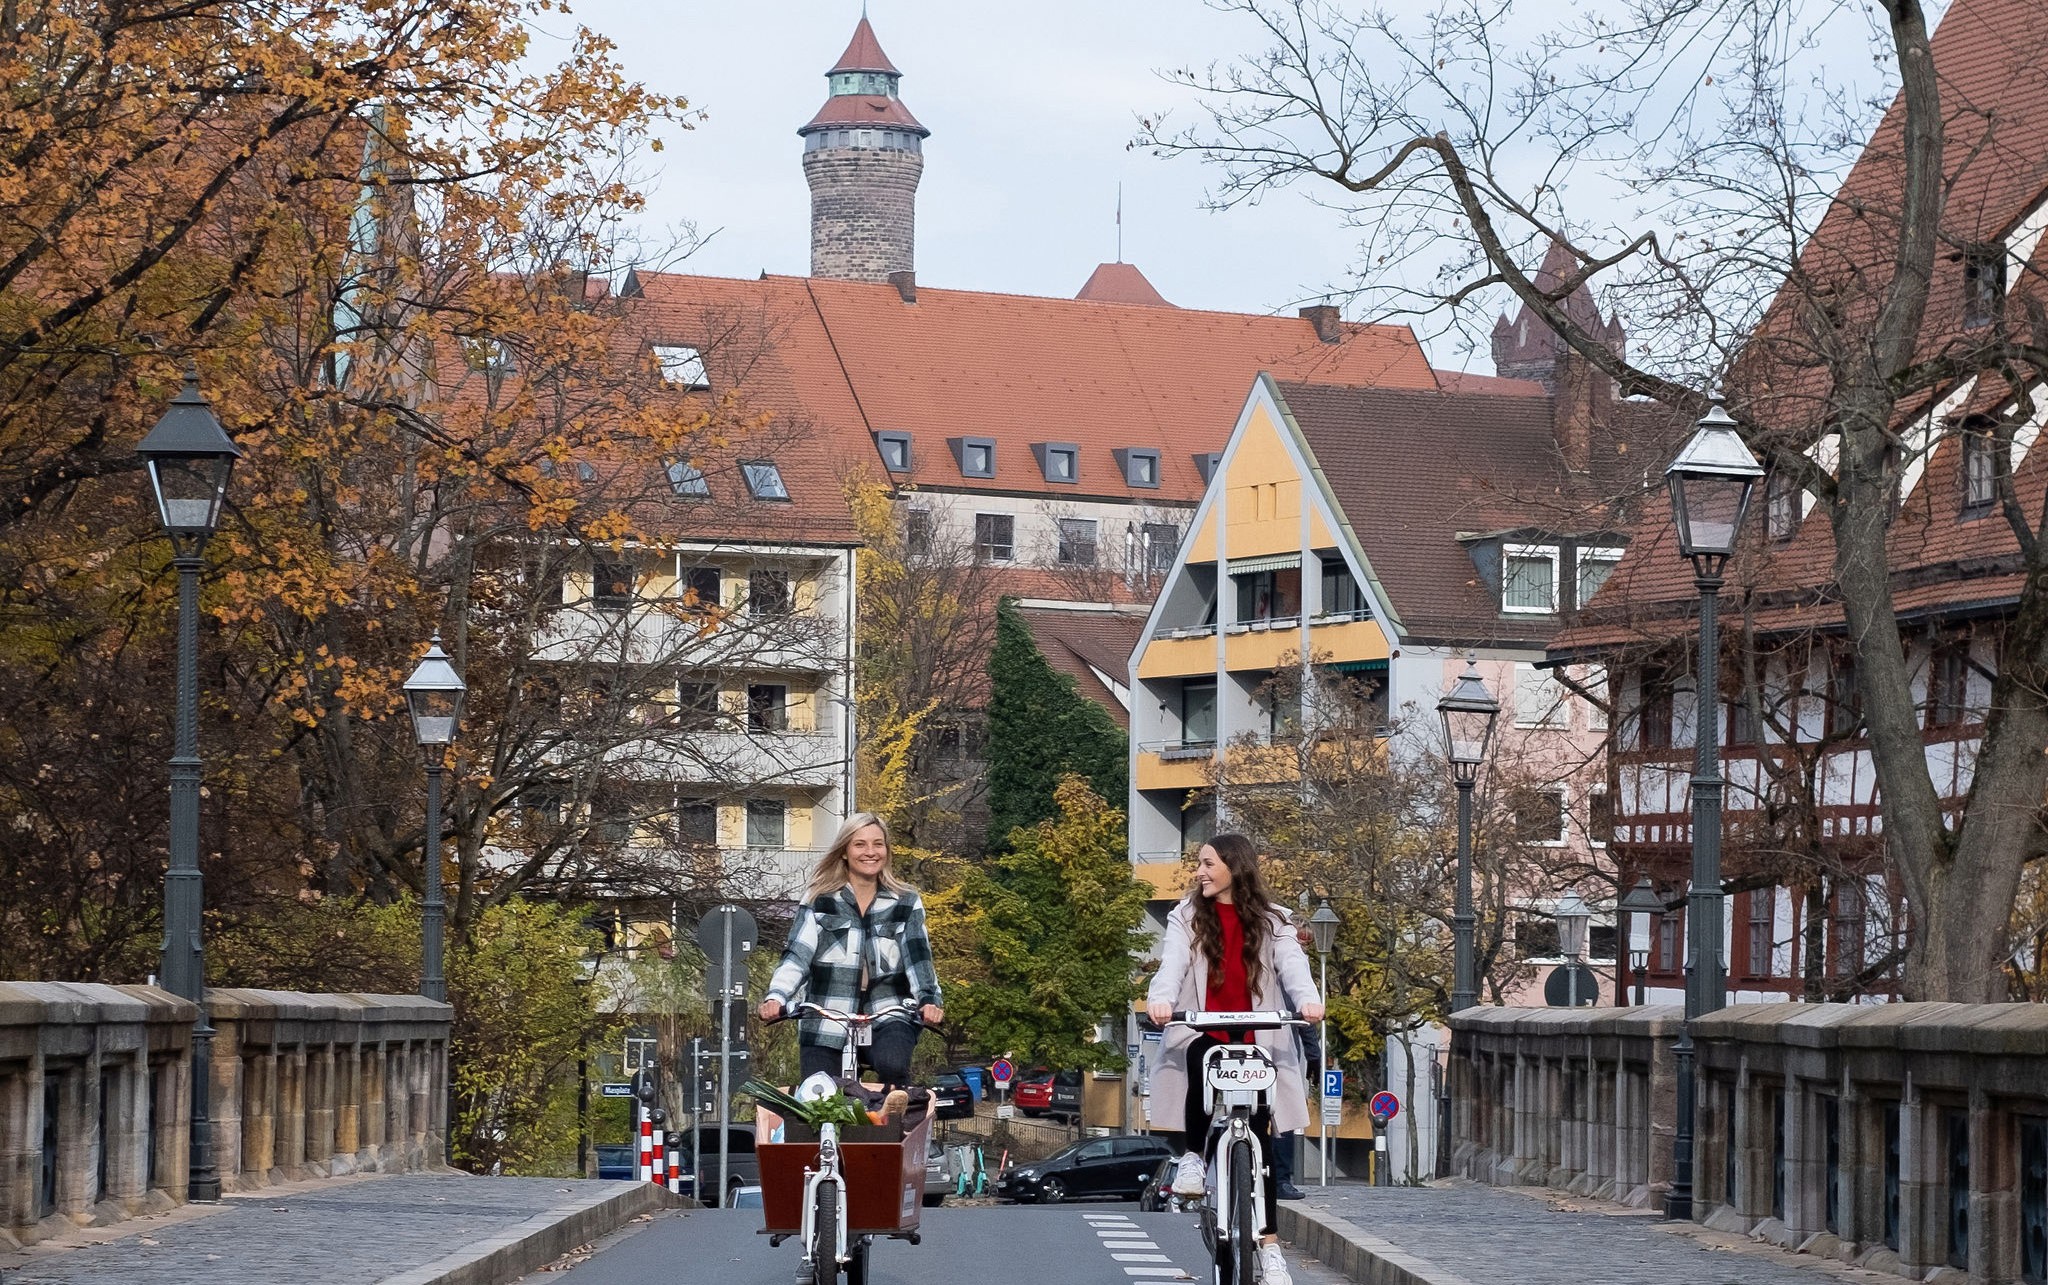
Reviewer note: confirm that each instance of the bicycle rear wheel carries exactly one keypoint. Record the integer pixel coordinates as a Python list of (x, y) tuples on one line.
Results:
[(1244, 1222)]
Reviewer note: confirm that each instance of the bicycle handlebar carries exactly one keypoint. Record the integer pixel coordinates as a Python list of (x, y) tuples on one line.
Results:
[(1240, 1021), (805, 1008)]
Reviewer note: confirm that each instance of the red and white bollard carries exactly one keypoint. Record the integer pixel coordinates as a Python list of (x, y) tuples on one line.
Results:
[(646, 1149), (659, 1176), (675, 1165)]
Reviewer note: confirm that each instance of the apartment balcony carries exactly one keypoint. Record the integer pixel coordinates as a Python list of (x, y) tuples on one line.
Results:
[(795, 643), (1337, 638), (1180, 653), (1176, 765), (1163, 872), (788, 758)]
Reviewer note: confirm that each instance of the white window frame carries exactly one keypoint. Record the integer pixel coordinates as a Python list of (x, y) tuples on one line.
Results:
[(682, 366), (1062, 541), (1564, 816), (1607, 553), (1557, 716), (1010, 550), (1594, 680), (1547, 552)]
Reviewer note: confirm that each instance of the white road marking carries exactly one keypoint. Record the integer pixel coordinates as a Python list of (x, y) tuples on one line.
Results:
[(1141, 1258), (1129, 1244), (1158, 1273)]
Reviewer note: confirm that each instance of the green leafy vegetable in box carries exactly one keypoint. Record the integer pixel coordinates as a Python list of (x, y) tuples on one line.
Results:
[(836, 1109)]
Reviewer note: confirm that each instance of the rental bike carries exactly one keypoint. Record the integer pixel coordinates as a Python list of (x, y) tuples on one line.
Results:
[(1237, 1081), (836, 1195)]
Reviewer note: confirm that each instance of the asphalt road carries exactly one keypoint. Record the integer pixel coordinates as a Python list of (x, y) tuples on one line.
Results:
[(1076, 1244)]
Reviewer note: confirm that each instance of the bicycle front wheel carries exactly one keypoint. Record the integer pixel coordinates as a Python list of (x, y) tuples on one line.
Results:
[(825, 1247), (1244, 1222)]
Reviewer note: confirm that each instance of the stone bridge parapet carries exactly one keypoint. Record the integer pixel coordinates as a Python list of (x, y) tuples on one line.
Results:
[(1911, 1138), (95, 1095)]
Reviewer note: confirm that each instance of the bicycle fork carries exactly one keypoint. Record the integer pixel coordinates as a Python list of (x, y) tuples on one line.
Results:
[(826, 1172), (1237, 1128)]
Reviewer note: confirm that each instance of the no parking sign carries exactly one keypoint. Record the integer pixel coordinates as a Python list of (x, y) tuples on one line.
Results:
[(1385, 1106)]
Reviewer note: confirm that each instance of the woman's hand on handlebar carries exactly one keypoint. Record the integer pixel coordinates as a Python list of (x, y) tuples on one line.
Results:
[(1160, 1011), (1311, 1012), (771, 1009)]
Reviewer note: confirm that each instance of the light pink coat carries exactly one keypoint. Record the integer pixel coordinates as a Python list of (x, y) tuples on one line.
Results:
[(1285, 982)]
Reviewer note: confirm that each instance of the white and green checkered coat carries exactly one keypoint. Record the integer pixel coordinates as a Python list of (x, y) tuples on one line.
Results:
[(832, 945)]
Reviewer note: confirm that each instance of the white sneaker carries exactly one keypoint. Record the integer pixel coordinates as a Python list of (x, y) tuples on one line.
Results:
[(1189, 1176), (1273, 1266)]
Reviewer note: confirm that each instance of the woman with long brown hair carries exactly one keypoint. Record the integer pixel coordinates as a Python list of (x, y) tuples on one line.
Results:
[(1229, 950), (858, 945)]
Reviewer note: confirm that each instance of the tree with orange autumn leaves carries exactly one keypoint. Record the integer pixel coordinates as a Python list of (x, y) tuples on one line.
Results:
[(381, 233)]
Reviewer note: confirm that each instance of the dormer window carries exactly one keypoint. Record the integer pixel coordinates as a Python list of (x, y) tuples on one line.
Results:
[(1140, 466), (687, 480), (1983, 285), (1058, 461), (1529, 579), (895, 451), (1595, 565), (1206, 464), (764, 480), (681, 366), (1980, 472), (492, 356), (976, 456), (586, 471)]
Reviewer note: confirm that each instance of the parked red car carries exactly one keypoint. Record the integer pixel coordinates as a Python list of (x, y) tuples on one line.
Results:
[(1044, 1093)]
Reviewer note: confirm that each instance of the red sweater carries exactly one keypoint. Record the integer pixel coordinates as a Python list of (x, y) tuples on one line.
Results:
[(1229, 990)]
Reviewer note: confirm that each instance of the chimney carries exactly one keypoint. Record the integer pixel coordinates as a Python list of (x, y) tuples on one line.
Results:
[(906, 285), (1576, 405), (1328, 322)]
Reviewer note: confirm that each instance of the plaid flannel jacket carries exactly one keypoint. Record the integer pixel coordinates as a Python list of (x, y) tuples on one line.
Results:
[(830, 942)]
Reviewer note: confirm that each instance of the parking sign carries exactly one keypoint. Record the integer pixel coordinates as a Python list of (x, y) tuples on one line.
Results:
[(1333, 1084)]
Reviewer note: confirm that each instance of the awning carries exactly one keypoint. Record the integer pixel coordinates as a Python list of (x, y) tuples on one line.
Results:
[(1360, 667), (1275, 562)]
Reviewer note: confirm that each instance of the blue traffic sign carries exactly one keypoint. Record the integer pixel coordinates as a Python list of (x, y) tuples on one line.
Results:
[(1002, 1072), (1333, 1084), (1385, 1106)]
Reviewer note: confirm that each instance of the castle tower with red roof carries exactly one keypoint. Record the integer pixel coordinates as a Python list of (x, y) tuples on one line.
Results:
[(1527, 348), (863, 155)]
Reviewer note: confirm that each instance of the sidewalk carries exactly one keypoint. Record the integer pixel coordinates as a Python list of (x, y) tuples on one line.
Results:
[(400, 1229), (1461, 1233)]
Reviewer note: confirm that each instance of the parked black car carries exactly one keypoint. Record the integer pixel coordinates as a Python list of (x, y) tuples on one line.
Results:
[(745, 1167), (956, 1100), (1115, 1166)]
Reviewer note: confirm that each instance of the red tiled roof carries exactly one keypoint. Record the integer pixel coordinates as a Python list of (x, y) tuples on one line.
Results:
[(1412, 471), (1120, 283), (871, 111), (864, 52), (1079, 643), (1459, 381)]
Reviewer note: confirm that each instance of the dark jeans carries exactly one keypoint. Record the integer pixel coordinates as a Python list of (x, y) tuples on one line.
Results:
[(888, 1057), (1195, 1130), (1283, 1158)]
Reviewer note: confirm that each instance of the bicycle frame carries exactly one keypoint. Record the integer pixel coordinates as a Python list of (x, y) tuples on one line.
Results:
[(1237, 1079), (859, 1028)]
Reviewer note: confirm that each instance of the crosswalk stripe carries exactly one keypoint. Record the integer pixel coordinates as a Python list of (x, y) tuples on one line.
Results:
[(1129, 1244), (1141, 1258), (1155, 1273)]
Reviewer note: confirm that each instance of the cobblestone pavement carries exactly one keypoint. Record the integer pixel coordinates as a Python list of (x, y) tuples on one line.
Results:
[(335, 1233), (1528, 1236)]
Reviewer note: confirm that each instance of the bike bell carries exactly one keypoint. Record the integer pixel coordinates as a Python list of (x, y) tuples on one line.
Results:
[(816, 1087)]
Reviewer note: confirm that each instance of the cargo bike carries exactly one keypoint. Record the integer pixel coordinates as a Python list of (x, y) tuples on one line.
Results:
[(837, 1188)]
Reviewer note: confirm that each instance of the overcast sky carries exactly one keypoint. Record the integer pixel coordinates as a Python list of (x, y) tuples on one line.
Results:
[(1030, 107)]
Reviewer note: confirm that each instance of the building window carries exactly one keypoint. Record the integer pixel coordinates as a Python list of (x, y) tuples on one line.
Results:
[(1283, 712), (1763, 904), (1980, 477), (1948, 685), (697, 823), (1198, 822), (681, 366), (1077, 542), (767, 823), (767, 707), (1536, 935), (1599, 817), (696, 706), (1141, 467), (1059, 461), (1593, 682), (976, 456), (701, 588), (1782, 505), (1983, 285), (995, 537), (895, 450), (1198, 712), (1539, 698), (764, 480), (1529, 579), (1540, 816), (687, 480), (1850, 927), (1206, 464), (492, 356), (611, 585), (918, 533), (1341, 594), (1269, 595), (768, 593), (1162, 541), (1845, 708), (1595, 565), (1670, 927), (586, 471), (1654, 709)]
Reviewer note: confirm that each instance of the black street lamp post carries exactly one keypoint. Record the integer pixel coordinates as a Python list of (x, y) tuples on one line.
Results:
[(1641, 902), (1468, 711), (434, 693), (189, 457), (1710, 484)]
